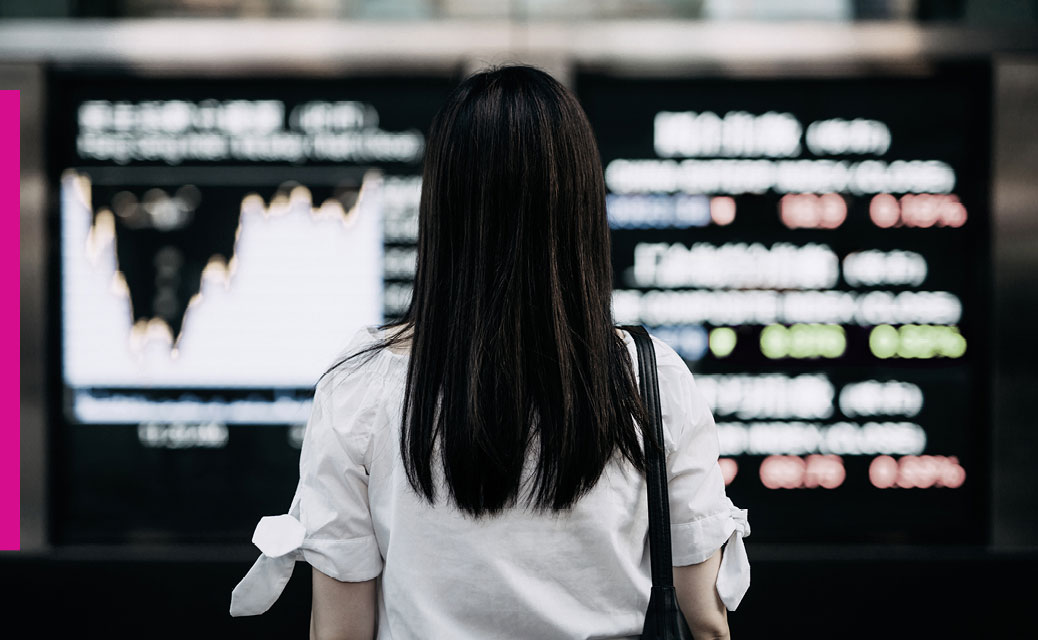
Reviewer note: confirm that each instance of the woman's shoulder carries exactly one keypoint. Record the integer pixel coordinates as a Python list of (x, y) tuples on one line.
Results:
[(684, 407), (667, 358), (360, 360), (668, 362), (349, 395)]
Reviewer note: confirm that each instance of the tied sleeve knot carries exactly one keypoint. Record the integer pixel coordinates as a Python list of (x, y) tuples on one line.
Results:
[(733, 577), (276, 536), (280, 539)]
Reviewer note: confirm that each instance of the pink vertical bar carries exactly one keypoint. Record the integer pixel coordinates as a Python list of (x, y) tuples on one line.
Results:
[(10, 210)]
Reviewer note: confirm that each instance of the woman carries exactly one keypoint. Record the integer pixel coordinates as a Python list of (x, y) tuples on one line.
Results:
[(476, 470)]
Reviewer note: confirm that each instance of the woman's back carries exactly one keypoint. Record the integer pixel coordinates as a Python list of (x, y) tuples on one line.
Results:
[(491, 476), (578, 573)]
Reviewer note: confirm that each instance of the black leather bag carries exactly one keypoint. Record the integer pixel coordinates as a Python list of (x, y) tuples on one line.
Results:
[(663, 619)]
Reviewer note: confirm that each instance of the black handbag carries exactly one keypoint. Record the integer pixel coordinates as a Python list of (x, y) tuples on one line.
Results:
[(663, 619)]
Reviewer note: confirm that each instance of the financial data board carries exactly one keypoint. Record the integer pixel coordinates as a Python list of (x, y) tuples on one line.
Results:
[(219, 240), (817, 250)]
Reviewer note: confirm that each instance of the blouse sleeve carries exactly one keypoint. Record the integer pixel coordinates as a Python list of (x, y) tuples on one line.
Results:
[(328, 524), (702, 516)]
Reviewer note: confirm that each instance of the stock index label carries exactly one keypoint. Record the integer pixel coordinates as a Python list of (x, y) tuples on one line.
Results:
[(817, 251)]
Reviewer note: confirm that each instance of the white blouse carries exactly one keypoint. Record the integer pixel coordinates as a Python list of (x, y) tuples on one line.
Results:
[(582, 573)]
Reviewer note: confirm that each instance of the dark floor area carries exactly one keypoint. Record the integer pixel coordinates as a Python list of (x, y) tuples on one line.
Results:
[(805, 593)]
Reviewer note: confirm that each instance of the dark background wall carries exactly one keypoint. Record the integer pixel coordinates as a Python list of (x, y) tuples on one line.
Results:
[(810, 592)]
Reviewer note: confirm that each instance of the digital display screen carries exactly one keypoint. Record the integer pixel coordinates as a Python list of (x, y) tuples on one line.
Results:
[(817, 251), (219, 241)]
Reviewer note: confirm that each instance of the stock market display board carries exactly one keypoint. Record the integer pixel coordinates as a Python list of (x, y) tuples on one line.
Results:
[(218, 242), (816, 249)]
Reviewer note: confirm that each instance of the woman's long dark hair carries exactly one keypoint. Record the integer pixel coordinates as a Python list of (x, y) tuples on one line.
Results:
[(512, 338)]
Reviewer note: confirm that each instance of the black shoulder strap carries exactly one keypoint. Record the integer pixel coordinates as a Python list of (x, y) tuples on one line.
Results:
[(656, 471)]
